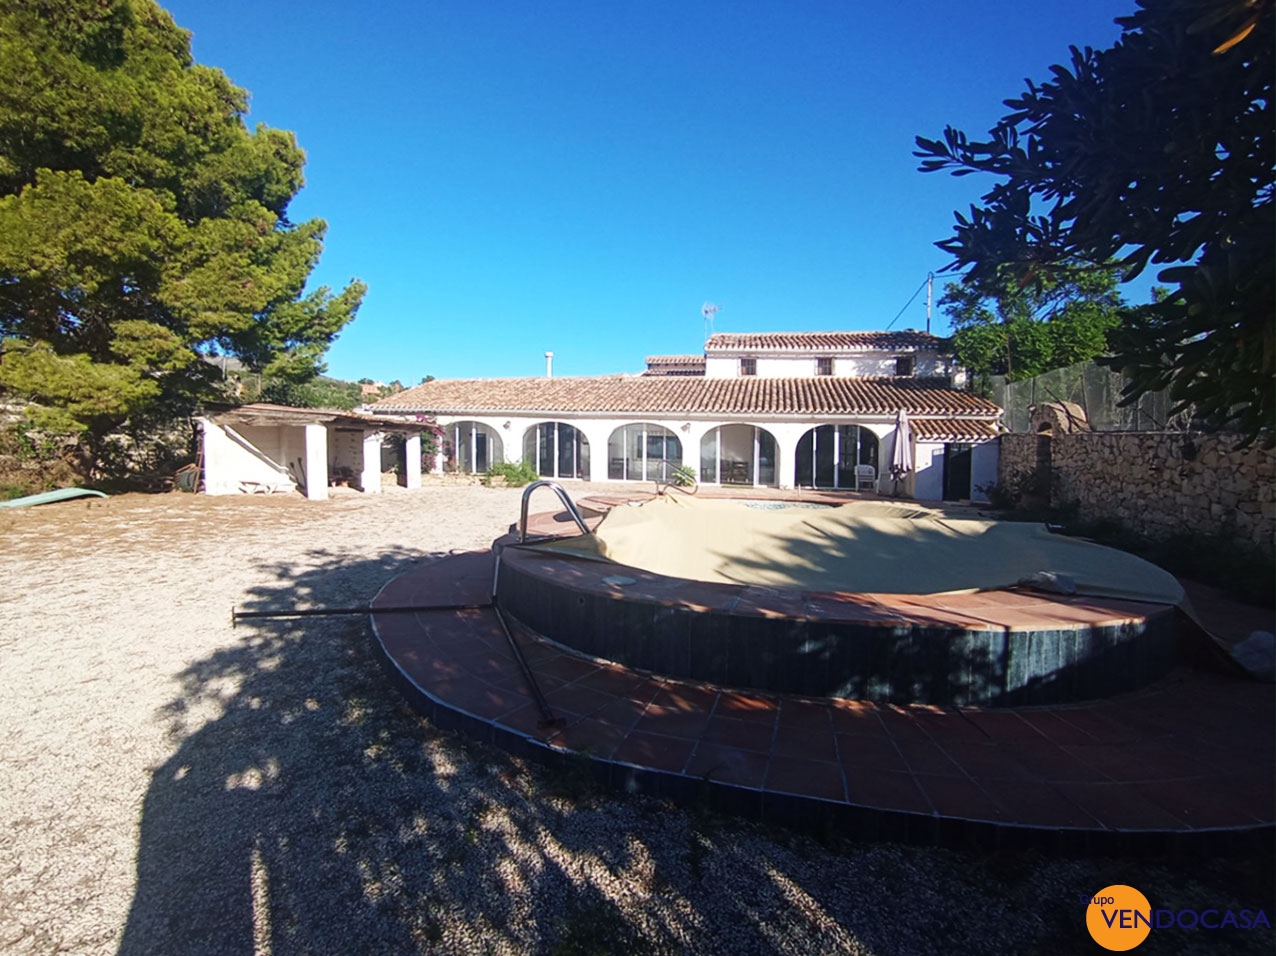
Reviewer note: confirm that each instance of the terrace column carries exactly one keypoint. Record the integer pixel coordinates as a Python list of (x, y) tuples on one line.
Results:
[(316, 439), (597, 433), (370, 477), (412, 460), (787, 436)]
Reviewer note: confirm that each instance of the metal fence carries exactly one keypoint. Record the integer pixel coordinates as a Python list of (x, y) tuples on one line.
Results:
[(1096, 389)]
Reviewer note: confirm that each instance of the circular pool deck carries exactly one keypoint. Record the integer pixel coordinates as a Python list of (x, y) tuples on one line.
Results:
[(1182, 766)]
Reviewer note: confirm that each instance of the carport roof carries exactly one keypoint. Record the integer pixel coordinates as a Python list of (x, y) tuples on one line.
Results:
[(264, 413)]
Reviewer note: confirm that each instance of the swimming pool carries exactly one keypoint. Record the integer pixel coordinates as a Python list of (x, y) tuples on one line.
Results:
[(888, 602)]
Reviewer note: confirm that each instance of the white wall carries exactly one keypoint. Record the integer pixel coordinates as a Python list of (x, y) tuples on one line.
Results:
[(860, 365), (235, 457), (715, 367), (690, 432), (929, 482), (345, 450), (984, 459), (928, 471)]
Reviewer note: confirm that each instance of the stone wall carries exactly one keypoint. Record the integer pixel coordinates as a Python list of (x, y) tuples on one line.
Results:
[(1157, 483), (1018, 455)]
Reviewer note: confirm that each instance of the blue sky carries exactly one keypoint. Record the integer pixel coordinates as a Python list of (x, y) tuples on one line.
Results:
[(511, 178)]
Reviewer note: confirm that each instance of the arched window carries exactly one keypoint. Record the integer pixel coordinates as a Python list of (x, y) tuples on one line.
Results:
[(475, 447), (738, 455), (557, 450), (642, 453), (827, 455)]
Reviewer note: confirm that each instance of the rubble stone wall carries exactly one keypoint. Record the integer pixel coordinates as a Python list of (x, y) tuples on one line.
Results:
[(1158, 483), (1018, 455)]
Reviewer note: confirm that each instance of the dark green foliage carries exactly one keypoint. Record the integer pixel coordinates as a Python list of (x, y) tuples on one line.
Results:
[(142, 224), (1156, 151), (515, 475), (684, 476), (1238, 568), (1006, 328), (320, 392)]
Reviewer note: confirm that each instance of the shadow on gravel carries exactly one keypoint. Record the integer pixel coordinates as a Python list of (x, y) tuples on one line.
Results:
[(318, 814)]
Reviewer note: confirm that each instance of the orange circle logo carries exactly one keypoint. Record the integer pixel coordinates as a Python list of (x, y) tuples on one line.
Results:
[(1119, 917)]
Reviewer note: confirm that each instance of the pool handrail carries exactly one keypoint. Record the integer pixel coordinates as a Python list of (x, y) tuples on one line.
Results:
[(562, 496)]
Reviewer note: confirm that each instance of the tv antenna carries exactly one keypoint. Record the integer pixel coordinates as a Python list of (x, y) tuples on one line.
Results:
[(707, 310)]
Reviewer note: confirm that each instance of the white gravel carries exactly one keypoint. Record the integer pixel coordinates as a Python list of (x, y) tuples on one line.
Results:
[(169, 784)]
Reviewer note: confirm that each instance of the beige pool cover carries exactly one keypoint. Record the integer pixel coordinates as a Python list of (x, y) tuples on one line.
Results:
[(873, 547)]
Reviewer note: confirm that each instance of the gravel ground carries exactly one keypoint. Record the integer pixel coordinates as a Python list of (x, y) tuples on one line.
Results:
[(169, 784)]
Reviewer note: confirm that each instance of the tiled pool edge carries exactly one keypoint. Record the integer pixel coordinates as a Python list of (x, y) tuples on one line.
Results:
[(855, 648), (846, 819)]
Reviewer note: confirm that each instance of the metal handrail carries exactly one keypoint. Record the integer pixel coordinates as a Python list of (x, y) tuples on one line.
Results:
[(562, 496)]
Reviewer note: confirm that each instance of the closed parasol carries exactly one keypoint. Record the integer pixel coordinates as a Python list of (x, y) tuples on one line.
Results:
[(902, 456)]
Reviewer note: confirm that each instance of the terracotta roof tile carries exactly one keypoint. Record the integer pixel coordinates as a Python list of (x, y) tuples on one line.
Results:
[(688, 395), (675, 365), (675, 359), (954, 429), (821, 341)]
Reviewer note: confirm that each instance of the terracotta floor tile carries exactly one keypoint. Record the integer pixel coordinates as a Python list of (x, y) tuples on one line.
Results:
[(424, 669), (576, 699), (621, 712), (537, 653), (899, 724), (1002, 727), (805, 777), (1220, 803), (856, 717), (617, 681), (1045, 760), (1130, 764), (565, 668), (800, 741), (1145, 720), (725, 764), (484, 665), (1094, 723), (752, 735), (591, 737), (524, 720), (943, 726), (886, 790), (481, 700), (1120, 807), (958, 797), (869, 752), (848, 609), (922, 756), (807, 715), (1056, 729), (984, 760), (747, 706), (673, 722), (1033, 803), (686, 697), (654, 751), (1173, 748)]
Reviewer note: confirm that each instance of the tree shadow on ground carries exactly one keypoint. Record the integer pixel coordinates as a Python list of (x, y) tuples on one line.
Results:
[(307, 809)]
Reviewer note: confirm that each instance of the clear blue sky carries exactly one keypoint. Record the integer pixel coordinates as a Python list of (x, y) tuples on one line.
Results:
[(581, 175)]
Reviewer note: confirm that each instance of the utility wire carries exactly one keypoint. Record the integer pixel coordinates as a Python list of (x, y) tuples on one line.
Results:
[(908, 303)]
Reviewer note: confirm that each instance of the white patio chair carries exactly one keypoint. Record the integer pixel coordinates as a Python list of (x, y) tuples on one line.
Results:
[(865, 477)]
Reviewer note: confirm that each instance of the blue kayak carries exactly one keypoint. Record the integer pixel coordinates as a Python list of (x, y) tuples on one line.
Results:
[(48, 497)]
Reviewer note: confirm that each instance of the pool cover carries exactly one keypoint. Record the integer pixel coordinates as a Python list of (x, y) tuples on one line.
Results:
[(861, 547)]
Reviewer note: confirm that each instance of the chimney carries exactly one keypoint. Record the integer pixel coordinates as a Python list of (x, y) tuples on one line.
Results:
[(549, 364)]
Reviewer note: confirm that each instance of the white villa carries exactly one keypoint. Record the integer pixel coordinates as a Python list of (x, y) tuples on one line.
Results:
[(785, 409)]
